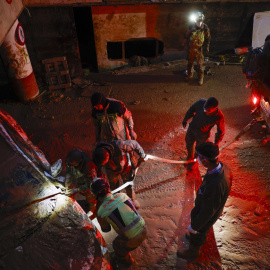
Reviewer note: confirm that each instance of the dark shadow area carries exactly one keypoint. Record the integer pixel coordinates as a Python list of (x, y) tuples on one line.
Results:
[(115, 50), (86, 39), (7, 94), (145, 78), (146, 47), (245, 39)]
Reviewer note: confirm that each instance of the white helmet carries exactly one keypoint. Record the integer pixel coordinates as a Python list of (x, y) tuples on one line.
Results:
[(197, 17)]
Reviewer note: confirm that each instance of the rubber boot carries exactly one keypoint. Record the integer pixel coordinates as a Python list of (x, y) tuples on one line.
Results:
[(131, 194), (190, 72), (192, 252), (200, 81)]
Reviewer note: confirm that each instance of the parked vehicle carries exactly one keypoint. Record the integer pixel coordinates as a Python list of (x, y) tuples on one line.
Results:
[(256, 68), (40, 227)]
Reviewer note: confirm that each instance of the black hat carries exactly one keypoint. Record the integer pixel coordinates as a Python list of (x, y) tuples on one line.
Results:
[(98, 185), (98, 98), (99, 155), (211, 103), (208, 150), (74, 157)]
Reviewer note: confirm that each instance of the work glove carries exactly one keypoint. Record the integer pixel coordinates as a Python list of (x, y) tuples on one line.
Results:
[(145, 158), (184, 124), (133, 135), (142, 159), (70, 192)]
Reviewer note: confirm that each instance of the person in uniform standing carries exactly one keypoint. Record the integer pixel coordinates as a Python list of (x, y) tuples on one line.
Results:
[(210, 199), (112, 120), (205, 115), (197, 35)]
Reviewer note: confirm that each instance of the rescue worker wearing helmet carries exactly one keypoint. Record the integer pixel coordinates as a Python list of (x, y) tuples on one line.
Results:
[(210, 199), (80, 172), (197, 35), (205, 115), (117, 210), (113, 157), (112, 120)]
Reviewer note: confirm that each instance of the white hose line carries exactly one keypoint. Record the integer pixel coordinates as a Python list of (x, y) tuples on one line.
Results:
[(170, 160), (158, 159)]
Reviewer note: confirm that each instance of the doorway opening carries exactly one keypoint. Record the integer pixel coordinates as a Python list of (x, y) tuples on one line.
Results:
[(86, 39)]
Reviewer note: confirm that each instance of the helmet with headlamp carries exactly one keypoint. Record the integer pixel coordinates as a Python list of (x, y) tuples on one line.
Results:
[(197, 17)]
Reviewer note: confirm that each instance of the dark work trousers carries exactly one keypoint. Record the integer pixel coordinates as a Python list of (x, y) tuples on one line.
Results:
[(193, 137), (125, 174), (198, 55), (197, 240), (122, 245)]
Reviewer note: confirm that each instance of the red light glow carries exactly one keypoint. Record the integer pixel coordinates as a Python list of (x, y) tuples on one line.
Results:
[(254, 100)]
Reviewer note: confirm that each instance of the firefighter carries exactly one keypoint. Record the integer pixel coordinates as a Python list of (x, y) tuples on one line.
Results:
[(113, 157), (197, 35), (112, 120), (210, 199), (80, 172), (205, 115), (117, 210)]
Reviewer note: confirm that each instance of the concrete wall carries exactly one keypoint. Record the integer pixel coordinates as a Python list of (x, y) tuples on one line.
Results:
[(230, 25), (119, 24), (50, 32)]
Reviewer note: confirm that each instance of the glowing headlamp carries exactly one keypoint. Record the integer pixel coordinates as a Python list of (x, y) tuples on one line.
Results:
[(196, 17), (193, 17)]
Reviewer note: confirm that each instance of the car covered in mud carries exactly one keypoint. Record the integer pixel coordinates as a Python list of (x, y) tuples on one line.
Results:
[(40, 226)]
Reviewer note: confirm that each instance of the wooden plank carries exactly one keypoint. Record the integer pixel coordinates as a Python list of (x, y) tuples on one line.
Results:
[(63, 72), (57, 73), (45, 61)]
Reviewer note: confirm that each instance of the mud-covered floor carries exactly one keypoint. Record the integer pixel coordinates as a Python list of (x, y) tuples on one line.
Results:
[(158, 98)]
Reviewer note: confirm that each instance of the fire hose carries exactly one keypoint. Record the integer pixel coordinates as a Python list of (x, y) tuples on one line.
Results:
[(240, 134), (130, 183)]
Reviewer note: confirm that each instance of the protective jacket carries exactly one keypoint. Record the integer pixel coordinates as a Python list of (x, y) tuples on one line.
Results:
[(113, 123), (118, 211), (197, 35), (202, 124), (211, 198), (118, 150), (80, 179)]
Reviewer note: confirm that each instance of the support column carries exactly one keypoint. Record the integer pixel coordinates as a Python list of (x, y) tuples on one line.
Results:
[(16, 59)]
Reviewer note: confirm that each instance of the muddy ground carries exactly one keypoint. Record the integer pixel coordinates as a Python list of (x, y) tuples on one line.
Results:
[(158, 97)]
